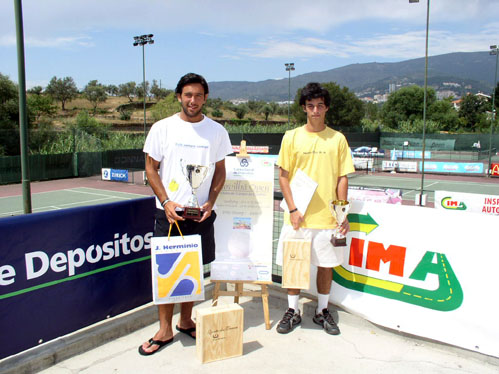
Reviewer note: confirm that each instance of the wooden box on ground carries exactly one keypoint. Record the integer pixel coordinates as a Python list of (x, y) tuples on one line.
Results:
[(296, 263), (219, 332)]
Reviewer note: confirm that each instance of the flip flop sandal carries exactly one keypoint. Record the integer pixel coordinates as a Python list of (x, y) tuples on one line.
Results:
[(159, 343), (188, 331)]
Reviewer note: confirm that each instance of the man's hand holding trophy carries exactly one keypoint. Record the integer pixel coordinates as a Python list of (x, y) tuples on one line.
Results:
[(339, 209), (195, 175)]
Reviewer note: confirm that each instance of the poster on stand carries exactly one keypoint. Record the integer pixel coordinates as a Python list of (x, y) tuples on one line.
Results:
[(243, 228)]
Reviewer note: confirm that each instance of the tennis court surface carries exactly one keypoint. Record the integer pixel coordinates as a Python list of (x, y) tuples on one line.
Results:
[(69, 193)]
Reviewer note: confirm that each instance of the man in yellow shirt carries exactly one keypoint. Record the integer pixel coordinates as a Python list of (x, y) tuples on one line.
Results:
[(323, 154)]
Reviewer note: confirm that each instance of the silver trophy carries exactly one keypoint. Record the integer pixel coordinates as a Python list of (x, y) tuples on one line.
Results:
[(195, 175), (339, 209)]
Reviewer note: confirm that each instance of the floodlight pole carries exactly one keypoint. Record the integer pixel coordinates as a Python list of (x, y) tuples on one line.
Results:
[(23, 118), (142, 40), (494, 50), (425, 97), (289, 67)]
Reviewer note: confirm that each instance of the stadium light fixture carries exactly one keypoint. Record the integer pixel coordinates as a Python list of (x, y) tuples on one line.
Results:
[(142, 40), (493, 51), (289, 67), (425, 97)]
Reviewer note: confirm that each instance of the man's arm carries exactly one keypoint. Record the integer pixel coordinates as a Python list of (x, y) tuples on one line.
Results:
[(217, 184), (152, 167), (296, 217), (342, 194)]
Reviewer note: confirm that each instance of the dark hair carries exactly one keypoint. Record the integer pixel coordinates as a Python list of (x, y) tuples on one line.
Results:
[(189, 79), (314, 91)]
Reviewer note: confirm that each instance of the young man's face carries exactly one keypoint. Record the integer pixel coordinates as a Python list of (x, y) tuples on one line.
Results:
[(192, 100), (315, 109)]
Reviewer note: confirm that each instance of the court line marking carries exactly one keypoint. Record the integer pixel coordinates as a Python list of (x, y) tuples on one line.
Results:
[(58, 207), (98, 189)]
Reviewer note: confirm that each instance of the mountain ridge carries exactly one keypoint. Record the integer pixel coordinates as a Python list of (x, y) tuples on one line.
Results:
[(473, 71)]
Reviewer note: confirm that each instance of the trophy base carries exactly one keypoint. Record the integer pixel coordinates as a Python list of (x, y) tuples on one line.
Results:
[(192, 213), (338, 242)]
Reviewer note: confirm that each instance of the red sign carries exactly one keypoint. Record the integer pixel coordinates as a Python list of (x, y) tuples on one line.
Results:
[(495, 169)]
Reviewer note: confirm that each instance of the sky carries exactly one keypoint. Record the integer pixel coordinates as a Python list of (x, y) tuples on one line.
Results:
[(232, 40)]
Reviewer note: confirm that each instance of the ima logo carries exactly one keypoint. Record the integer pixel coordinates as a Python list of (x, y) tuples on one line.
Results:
[(446, 297), (495, 169), (449, 203)]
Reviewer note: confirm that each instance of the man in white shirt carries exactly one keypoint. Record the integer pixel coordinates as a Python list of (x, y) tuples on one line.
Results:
[(188, 137)]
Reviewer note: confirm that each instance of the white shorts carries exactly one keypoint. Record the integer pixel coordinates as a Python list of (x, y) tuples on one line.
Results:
[(323, 253)]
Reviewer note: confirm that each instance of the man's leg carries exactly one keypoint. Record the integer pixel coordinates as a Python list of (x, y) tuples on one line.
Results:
[(165, 332), (185, 321), (324, 279), (322, 316)]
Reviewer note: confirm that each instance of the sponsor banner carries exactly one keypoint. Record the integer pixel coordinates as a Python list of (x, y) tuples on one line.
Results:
[(106, 174), (362, 163), (243, 228), (403, 166), (114, 175), (367, 152), (376, 195), (422, 271), (177, 269), (389, 142), (72, 268), (395, 154), (452, 167), (460, 201), (494, 168)]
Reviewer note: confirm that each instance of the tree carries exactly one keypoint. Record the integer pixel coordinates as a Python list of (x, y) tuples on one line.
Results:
[(37, 90), (472, 113), (216, 103), (39, 105), (140, 90), (9, 117), (345, 109), (158, 92), (443, 112), (112, 90), (166, 107), (240, 110), (372, 111), (128, 90), (63, 90), (95, 93), (406, 104), (267, 110)]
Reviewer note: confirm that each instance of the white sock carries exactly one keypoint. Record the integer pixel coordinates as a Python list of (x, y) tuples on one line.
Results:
[(293, 302), (322, 302)]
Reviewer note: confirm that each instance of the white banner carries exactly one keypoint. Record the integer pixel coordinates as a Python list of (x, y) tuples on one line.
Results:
[(243, 228), (376, 195), (469, 202), (405, 166), (426, 272)]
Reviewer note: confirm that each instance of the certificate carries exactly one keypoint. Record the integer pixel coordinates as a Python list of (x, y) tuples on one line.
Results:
[(302, 188)]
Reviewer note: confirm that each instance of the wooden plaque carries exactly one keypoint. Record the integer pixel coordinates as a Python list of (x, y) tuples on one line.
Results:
[(296, 263), (219, 332)]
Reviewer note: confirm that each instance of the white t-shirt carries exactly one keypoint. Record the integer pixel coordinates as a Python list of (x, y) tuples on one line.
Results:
[(173, 142)]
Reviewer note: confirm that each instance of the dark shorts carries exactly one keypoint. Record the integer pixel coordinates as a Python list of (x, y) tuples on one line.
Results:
[(190, 227)]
